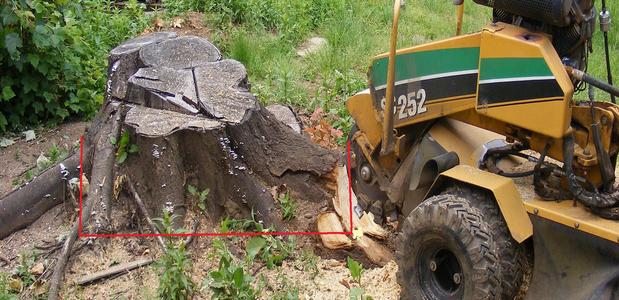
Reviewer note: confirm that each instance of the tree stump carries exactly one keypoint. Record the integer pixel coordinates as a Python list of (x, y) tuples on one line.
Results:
[(195, 121)]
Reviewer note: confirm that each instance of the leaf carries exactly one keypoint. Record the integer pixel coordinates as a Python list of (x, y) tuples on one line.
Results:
[(355, 269), (204, 194), (254, 245), (192, 190), (238, 277), (124, 140), (33, 59), (12, 42), (121, 157), (7, 93), (133, 148), (177, 22), (113, 140)]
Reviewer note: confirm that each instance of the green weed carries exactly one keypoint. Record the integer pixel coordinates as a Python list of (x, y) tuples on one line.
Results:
[(125, 147), (288, 206), (26, 262), (310, 263), (201, 195), (355, 268), (230, 282), (356, 271), (175, 265), (286, 290), (53, 54)]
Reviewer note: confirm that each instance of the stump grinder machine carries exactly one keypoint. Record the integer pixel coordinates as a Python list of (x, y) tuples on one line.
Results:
[(501, 183)]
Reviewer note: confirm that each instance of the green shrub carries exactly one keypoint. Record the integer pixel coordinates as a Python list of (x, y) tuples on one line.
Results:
[(53, 57)]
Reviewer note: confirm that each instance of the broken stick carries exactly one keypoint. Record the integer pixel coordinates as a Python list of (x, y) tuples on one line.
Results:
[(144, 212), (117, 269)]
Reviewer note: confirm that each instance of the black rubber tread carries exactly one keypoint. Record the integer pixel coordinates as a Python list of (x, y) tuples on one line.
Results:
[(514, 262), (451, 216)]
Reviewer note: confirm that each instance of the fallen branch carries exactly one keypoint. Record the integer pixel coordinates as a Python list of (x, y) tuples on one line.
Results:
[(63, 258), (5, 260), (144, 212), (117, 269), (102, 177)]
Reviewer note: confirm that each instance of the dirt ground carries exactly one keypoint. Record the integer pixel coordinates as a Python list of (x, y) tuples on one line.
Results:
[(20, 157), (331, 281)]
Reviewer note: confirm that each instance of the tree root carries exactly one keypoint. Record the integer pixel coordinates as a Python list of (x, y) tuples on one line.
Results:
[(144, 212)]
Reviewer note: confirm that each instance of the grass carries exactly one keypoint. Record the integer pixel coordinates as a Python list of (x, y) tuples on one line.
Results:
[(356, 31)]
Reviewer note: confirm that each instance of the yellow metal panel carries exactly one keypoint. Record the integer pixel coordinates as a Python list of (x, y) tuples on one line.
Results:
[(549, 117), (504, 40), (575, 216), (361, 108), (505, 192), (463, 41)]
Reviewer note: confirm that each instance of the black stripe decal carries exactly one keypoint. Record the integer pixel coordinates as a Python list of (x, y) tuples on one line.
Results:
[(500, 92), (436, 89)]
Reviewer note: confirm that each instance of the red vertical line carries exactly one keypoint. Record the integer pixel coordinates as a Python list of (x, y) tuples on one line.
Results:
[(349, 185), (79, 231)]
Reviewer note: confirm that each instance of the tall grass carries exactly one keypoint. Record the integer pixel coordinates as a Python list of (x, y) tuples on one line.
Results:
[(263, 34)]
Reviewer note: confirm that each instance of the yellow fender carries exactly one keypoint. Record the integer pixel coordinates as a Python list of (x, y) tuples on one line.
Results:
[(504, 191)]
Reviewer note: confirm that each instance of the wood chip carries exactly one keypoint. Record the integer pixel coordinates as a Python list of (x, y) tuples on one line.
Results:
[(370, 228), (330, 222), (376, 252)]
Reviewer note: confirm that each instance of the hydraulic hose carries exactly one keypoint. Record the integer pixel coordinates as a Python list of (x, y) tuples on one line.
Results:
[(596, 200), (582, 76)]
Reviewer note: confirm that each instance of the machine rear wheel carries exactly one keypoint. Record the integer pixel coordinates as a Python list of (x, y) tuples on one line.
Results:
[(446, 251)]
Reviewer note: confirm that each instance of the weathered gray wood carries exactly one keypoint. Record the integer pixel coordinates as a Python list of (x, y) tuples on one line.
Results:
[(124, 61), (102, 177), (183, 52), (117, 269)]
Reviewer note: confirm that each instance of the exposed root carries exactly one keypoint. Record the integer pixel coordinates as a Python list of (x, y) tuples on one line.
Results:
[(144, 212)]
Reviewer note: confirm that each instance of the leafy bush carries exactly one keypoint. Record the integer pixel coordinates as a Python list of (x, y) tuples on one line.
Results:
[(53, 56)]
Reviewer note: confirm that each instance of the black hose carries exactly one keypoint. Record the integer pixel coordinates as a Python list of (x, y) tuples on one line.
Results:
[(596, 200)]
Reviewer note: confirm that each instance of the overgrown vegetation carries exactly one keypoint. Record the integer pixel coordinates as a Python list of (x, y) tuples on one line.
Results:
[(53, 57), (174, 265)]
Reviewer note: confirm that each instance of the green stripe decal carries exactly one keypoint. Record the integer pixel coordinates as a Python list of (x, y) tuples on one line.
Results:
[(498, 68), (425, 63)]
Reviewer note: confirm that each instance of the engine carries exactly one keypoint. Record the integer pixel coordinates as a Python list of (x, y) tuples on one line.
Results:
[(571, 23)]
